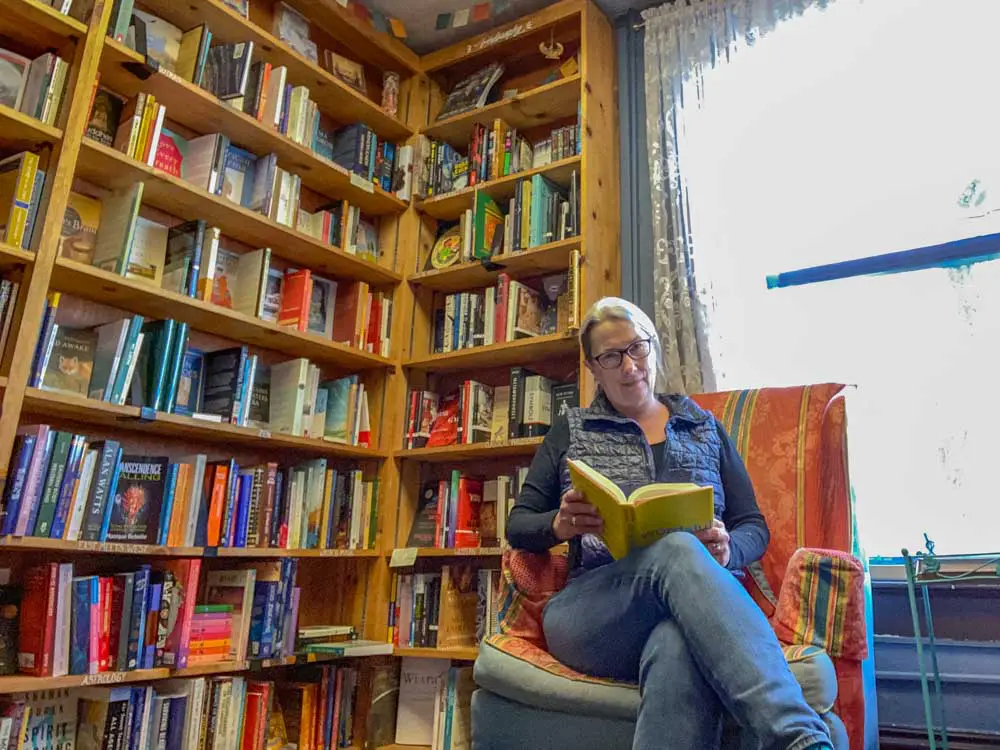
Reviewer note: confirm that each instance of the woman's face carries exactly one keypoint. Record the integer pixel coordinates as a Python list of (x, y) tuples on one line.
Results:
[(629, 386)]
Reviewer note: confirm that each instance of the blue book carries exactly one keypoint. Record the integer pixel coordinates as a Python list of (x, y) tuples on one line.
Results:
[(152, 613), (232, 495), (109, 505), (389, 155), (66, 491), (245, 488), (48, 321), (85, 594), (128, 352), (187, 400), (137, 620), (185, 241), (289, 567), (275, 531), (36, 200), (238, 175), (101, 491), (331, 694), (139, 697), (286, 105), (265, 596), (15, 485), (176, 365), (168, 504), (449, 710), (175, 722)]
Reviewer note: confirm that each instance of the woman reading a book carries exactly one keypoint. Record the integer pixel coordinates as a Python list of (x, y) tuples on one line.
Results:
[(670, 616)]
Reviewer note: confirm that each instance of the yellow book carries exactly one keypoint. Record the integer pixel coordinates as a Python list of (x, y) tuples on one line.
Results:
[(190, 51), (647, 514), (148, 119), (525, 213), (324, 542), (17, 182)]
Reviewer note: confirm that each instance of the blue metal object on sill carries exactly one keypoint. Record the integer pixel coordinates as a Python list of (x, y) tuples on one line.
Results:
[(947, 255)]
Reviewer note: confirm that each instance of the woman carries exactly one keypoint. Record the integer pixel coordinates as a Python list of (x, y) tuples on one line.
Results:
[(671, 616)]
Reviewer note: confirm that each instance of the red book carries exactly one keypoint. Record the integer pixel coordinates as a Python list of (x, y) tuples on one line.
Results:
[(38, 621), (348, 312), (373, 342), (255, 718), (217, 505), (439, 531), (296, 292), (337, 696), (104, 652), (470, 495), (117, 602), (169, 156), (186, 574)]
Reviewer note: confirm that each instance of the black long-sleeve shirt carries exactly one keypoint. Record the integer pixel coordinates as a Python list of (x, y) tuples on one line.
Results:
[(529, 526)]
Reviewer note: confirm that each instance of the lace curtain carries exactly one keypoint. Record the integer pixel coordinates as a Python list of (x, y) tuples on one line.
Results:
[(681, 41)]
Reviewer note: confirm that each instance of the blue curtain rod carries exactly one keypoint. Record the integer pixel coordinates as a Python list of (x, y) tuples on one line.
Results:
[(947, 255)]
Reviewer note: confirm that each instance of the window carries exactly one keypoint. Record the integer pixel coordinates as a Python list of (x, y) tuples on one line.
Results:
[(849, 132)]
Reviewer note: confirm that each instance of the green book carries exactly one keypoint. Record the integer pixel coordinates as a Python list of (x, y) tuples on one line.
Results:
[(53, 480), (487, 236), (159, 342), (204, 609)]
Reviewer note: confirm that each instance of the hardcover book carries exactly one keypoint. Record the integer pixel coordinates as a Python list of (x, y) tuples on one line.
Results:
[(227, 69), (170, 152), (79, 229), (13, 69), (105, 115), (148, 253), (189, 387), (72, 361), (135, 512), (472, 92), (162, 40)]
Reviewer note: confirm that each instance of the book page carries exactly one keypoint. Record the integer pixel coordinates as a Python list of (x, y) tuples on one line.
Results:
[(671, 509)]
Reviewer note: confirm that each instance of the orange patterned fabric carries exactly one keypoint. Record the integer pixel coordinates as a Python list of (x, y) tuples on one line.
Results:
[(793, 441)]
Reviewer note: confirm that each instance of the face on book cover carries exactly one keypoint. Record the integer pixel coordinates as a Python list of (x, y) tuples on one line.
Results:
[(629, 386)]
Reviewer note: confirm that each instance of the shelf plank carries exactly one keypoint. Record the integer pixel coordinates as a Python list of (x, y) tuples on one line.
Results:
[(198, 110), (476, 451), (108, 288), (25, 683), (550, 258), (11, 256), (269, 552), (461, 654), (109, 168), (46, 404), (451, 205), (63, 546), (449, 552), (520, 352), (35, 22), (19, 132), (333, 96), (538, 106)]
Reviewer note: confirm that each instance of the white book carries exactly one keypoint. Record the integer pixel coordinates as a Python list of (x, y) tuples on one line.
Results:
[(64, 607), (111, 339), (288, 393), (309, 403), (418, 685), (130, 373), (209, 257), (195, 498), (491, 312), (251, 276), (157, 129), (79, 507), (234, 587), (199, 167)]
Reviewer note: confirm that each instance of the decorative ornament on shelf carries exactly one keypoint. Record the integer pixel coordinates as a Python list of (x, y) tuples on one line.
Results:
[(390, 93), (551, 50)]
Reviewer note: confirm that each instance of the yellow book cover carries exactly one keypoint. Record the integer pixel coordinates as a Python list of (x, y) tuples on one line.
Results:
[(148, 118), (17, 181), (187, 57), (324, 542), (646, 515), (525, 212), (78, 237)]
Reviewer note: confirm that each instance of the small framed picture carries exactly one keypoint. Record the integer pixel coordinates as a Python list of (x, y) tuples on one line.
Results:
[(350, 72)]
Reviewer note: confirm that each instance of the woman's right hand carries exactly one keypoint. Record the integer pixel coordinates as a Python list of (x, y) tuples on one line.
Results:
[(575, 517)]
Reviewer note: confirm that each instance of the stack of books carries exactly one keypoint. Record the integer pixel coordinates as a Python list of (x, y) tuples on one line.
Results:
[(358, 149), (211, 633), (92, 624), (480, 413), (65, 486), (33, 87)]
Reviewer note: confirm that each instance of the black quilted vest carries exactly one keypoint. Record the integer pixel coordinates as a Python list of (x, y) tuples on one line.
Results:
[(616, 447)]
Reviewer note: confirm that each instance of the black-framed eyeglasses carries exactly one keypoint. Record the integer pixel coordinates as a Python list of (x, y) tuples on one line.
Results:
[(637, 351)]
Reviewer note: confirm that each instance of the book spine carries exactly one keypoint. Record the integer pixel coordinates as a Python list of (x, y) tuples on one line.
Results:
[(53, 481), (101, 490), (16, 485)]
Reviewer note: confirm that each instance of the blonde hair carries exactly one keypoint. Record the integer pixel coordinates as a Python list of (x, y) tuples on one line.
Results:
[(616, 308)]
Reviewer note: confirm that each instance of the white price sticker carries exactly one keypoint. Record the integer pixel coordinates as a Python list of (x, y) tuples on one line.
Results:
[(360, 182), (403, 557)]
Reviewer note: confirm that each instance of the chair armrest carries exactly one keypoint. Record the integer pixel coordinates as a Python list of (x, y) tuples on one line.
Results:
[(822, 603)]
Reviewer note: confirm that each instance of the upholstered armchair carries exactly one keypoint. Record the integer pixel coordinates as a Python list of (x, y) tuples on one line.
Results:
[(812, 584)]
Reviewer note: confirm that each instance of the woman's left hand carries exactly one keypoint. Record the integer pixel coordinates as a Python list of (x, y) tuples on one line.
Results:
[(716, 539)]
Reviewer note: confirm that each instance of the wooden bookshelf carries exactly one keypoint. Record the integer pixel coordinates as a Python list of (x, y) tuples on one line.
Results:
[(351, 586), (198, 110), (458, 654), (11, 257), (524, 447), (451, 205), (44, 24), (332, 95), (18, 131), (508, 354), (109, 288), (550, 258), (538, 106), (45, 405)]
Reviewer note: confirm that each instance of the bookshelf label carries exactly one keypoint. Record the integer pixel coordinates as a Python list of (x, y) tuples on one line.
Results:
[(403, 557), (501, 36), (103, 678), (360, 182), (120, 548)]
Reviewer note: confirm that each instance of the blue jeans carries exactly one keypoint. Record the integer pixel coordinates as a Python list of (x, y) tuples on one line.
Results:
[(672, 619)]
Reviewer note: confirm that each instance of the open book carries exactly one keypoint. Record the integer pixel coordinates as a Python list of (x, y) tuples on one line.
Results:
[(647, 514)]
